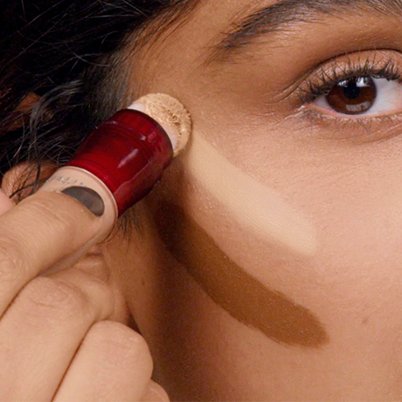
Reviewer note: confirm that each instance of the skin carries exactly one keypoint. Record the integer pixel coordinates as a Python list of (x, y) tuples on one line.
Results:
[(57, 330), (267, 217), (242, 296), (341, 175)]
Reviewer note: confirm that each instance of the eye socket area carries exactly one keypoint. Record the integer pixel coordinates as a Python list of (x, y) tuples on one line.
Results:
[(362, 85), (362, 96)]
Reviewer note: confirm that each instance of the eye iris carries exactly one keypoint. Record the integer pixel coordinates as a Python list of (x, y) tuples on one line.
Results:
[(353, 96)]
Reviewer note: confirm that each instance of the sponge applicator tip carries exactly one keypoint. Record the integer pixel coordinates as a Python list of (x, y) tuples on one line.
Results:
[(170, 114)]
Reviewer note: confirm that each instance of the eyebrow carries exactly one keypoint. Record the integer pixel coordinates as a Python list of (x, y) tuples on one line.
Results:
[(284, 13)]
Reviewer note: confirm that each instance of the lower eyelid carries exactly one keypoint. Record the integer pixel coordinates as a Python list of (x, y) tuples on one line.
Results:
[(356, 130), (332, 116)]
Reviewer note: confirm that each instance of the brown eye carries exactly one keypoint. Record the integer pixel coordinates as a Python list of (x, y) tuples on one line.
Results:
[(353, 96)]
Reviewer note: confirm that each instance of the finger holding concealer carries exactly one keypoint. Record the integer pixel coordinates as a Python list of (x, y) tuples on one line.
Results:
[(42, 329), (77, 207), (112, 364), (37, 233)]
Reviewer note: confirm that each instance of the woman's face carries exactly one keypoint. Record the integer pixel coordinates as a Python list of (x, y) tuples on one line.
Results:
[(267, 263)]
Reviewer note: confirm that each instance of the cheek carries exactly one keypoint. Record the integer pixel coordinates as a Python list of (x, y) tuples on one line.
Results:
[(359, 216), (353, 196), (350, 193), (354, 202)]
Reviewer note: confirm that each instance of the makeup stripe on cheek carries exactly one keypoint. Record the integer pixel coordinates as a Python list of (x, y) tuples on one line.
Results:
[(228, 285), (252, 205)]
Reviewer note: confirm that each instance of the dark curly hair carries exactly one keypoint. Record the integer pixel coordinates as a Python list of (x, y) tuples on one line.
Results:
[(58, 63)]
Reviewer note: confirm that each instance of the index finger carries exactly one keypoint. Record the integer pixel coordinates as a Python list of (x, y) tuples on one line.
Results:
[(39, 232)]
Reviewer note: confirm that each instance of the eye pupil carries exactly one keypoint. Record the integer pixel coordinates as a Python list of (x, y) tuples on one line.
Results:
[(353, 96)]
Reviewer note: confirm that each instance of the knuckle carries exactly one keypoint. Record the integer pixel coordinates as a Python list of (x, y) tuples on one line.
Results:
[(51, 297), (119, 342), (13, 267), (164, 397), (160, 394), (43, 205)]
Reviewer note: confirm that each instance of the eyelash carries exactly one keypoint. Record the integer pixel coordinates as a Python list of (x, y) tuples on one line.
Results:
[(325, 79)]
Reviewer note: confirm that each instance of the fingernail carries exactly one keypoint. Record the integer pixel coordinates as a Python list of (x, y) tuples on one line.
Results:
[(87, 197)]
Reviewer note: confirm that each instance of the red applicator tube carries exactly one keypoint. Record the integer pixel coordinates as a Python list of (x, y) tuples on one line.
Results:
[(128, 153), (123, 158)]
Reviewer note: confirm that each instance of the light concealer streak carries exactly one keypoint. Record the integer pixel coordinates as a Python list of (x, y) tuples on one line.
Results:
[(252, 205), (231, 287)]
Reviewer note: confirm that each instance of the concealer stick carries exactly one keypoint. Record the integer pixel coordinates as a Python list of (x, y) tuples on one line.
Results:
[(122, 159)]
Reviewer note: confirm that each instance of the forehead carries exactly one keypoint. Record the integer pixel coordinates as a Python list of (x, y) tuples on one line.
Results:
[(209, 20), (212, 17), (221, 30)]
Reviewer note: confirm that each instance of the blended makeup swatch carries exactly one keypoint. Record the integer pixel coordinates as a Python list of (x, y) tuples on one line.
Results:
[(242, 296), (252, 205)]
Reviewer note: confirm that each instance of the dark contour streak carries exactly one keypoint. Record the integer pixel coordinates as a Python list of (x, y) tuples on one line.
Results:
[(228, 285)]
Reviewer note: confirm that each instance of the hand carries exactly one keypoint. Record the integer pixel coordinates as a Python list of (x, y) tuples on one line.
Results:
[(56, 342)]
